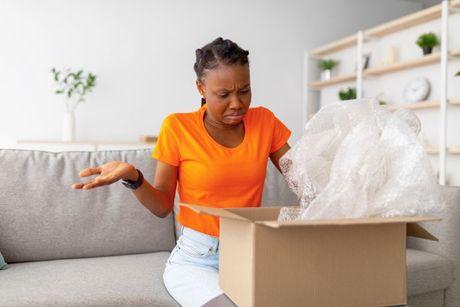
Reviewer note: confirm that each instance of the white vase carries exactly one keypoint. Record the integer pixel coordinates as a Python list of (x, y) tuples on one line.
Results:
[(326, 75), (68, 127)]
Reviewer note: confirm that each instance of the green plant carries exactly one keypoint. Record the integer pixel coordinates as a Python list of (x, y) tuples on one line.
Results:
[(327, 64), (74, 85), (381, 100), (428, 40), (347, 94), (457, 74)]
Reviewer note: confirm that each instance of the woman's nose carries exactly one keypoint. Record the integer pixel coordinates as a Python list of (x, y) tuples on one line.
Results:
[(236, 103)]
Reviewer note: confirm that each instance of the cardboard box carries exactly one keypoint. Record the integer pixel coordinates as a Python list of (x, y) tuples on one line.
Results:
[(343, 262)]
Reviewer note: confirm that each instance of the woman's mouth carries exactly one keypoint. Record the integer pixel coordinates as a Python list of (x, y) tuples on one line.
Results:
[(235, 116)]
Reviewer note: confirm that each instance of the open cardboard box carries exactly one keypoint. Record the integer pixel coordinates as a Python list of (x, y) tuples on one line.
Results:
[(342, 262)]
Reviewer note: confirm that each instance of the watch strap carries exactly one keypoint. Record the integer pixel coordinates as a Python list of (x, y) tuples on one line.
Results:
[(134, 184)]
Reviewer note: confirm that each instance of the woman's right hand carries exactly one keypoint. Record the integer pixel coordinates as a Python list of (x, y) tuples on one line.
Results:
[(108, 173)]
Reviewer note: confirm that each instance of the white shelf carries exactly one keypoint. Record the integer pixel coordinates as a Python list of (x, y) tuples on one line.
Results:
[(422, 105), (435, 151), (332, 81), (378, 71)]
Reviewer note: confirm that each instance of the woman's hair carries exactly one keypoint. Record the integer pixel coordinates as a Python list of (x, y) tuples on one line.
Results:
[(218, 51)]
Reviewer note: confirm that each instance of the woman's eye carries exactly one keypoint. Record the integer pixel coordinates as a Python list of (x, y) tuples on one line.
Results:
[(244, 91), (223, 95)]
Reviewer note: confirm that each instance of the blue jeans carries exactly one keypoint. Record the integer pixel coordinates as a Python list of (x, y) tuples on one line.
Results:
[(191, 273)]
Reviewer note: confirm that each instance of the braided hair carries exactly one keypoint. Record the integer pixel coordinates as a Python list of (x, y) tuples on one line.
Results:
[(218, 51)]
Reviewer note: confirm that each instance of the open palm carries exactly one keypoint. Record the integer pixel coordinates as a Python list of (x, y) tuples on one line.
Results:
[(108, 173)]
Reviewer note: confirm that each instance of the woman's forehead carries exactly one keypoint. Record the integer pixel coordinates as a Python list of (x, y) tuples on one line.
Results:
[(228, 76)]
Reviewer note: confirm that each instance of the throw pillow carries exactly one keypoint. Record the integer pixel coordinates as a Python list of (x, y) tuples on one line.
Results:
[(3, 264)]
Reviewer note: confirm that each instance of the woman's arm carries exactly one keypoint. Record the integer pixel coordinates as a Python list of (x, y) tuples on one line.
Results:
[(276, 156), (159, 197)]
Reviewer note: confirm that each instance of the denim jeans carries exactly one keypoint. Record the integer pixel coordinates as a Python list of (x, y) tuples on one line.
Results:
[(191, 273)]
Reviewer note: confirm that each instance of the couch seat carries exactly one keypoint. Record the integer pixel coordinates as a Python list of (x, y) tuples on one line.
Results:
[(427, 272), (127, 280)]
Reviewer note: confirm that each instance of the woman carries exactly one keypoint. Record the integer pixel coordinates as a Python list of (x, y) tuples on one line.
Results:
[(218, 155)]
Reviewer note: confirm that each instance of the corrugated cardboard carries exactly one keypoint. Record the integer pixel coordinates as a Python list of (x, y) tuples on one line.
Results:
[(343, 262)]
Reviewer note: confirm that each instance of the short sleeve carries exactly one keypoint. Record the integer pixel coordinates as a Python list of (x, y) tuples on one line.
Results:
[(167, 148), (281, 135)]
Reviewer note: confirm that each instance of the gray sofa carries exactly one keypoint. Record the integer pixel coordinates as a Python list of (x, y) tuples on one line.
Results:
[(101, 247)]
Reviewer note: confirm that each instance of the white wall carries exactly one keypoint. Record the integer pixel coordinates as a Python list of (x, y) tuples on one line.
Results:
[(143, 52)]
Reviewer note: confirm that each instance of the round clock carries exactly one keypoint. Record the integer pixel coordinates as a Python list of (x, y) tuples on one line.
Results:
[(417, 89)]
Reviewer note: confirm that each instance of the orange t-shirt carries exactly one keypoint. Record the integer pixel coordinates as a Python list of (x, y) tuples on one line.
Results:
[(211, 174)]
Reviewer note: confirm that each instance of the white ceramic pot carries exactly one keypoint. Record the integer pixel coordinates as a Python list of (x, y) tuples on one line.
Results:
[(68, 127), (326, 75)]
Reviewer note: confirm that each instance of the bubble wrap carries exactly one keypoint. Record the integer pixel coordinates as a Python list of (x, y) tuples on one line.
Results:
[(357, 159)]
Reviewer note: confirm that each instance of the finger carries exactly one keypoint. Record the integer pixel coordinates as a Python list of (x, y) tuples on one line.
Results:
[(77, 185), (94, 184), (90, 171)]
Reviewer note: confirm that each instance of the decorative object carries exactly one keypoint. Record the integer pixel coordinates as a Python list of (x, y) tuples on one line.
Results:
[(74, 86), (326, 66), (347, 94), (427, 41), (457, 74), (366, 60), (417, 90), (392, 55), (148, 138)]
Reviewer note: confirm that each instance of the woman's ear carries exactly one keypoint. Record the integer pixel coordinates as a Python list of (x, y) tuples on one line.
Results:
[(200, 87)]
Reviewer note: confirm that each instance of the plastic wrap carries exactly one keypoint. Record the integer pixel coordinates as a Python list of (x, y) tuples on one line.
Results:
[(357, 159)]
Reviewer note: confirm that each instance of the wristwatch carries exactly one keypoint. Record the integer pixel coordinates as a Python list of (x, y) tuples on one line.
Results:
[(134, 184)]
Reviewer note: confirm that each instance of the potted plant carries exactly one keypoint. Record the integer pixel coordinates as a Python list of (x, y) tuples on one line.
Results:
[(326, 66), (457, 74), (74, 86), (347, 94), (382, 101), (427, 41)]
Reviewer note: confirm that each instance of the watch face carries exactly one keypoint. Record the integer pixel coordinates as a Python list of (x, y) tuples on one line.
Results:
[(416, 90)]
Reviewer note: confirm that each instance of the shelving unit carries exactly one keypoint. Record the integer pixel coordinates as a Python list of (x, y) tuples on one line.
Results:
[(314, 88), (377, 71), (412, 20)]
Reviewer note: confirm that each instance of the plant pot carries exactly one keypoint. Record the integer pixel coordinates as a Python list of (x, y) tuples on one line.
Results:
[(326, 75), (427, 50), (68, 127)]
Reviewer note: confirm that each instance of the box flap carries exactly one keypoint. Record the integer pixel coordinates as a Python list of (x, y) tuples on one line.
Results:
[(417, 231), (221, 212), (351, 221)]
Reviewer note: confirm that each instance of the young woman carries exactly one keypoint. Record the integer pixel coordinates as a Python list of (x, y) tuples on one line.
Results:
[(218, 156)]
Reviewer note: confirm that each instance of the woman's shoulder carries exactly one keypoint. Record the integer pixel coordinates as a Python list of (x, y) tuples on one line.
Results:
[(261, 112), (182, 118)]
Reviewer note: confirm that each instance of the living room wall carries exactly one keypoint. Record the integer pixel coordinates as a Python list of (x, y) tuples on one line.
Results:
[(143, 52)]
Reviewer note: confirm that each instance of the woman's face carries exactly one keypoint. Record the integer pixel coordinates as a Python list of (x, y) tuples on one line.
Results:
[(227, 91)]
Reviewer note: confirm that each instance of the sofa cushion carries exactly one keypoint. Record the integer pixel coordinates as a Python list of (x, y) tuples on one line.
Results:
[(43, 218), (427, 272), (3, 264), (448, 232), (128, 280)]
